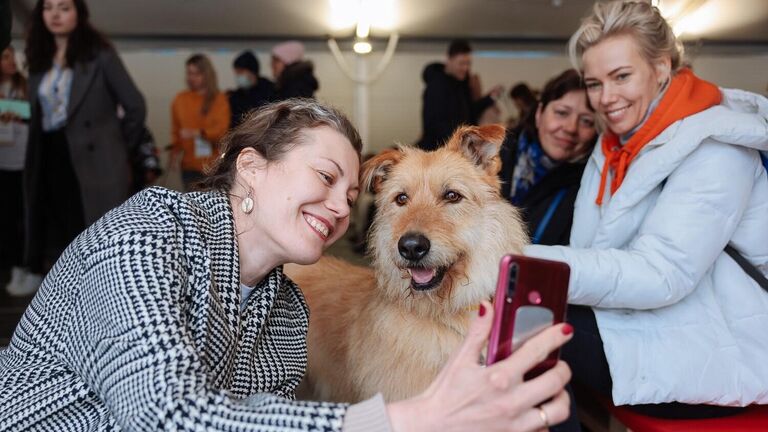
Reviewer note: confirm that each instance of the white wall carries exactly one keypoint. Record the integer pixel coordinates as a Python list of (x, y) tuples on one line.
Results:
[(395, 99)]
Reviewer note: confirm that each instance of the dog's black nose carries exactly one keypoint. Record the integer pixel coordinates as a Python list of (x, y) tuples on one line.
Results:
[(413, 246)]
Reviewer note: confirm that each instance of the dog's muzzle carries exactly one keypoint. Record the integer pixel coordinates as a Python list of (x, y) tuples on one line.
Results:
[(413, 246)]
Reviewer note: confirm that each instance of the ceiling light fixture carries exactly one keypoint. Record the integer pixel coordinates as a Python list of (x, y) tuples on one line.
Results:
[(687, 16), (697, 20), (362, 47), (363, 15)]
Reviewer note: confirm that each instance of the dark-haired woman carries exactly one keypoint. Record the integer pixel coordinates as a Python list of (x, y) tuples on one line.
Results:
[(544, 157), (172, 312), (77, 164)]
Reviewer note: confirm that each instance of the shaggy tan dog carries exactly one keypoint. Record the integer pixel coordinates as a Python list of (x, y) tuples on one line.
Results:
[(440, 230)]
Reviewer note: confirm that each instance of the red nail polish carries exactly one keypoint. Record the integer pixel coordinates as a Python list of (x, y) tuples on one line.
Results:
[(567, 329), (481, 310)]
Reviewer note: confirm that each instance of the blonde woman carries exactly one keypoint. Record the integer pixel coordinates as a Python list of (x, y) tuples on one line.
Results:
[(200, 117), (668, 322)]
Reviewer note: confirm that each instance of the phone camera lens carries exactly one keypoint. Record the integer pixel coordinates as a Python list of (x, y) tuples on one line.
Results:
[(513, 271), (512, 280)]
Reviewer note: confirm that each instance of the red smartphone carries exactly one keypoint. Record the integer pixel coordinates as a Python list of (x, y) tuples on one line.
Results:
[(531, 295)]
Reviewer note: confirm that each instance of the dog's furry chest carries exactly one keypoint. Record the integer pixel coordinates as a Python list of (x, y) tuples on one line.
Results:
[(416, 350)]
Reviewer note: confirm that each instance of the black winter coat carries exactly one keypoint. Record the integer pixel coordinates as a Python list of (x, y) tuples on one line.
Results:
[(297, 80), (243, 100), (535, 205), (447, 104)]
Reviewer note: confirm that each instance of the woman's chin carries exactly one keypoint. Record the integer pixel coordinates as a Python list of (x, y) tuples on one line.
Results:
[(307, 256), (559, 155), (620, 128)]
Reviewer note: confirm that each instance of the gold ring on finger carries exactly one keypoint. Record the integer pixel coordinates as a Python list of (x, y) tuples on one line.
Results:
[(543, 415)]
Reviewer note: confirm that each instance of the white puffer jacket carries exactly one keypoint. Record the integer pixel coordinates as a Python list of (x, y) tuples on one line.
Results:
[(680, 320)]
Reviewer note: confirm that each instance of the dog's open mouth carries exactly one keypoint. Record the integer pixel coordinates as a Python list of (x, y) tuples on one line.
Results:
[(423, 278)]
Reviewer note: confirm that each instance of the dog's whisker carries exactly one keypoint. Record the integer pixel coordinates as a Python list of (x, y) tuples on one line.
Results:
[(408, 291), (440, 296)]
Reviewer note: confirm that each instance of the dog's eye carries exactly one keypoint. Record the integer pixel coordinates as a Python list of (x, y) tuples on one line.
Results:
[(452, 196), (401, 199)]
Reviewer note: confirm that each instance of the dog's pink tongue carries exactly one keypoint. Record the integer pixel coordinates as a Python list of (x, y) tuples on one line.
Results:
[(422, 275)]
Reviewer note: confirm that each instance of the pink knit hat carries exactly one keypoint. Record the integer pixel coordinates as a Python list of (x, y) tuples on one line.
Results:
[(289, 52)]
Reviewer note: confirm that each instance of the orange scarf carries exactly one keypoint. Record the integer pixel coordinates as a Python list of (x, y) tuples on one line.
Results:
[(687, 95)]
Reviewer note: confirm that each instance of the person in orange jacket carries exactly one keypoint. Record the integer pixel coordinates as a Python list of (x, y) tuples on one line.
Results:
[(200, 118)]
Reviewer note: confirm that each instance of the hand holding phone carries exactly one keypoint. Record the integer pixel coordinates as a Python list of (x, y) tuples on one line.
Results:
[(531, 295)]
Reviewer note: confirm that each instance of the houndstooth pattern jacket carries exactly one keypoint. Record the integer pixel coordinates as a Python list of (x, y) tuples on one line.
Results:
[(138, 327)]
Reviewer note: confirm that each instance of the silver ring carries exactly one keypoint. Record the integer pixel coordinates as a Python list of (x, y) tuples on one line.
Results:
[(543, 415)]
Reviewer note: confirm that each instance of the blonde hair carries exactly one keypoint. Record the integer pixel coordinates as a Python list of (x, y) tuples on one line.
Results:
[(210, 82), (638, 19)]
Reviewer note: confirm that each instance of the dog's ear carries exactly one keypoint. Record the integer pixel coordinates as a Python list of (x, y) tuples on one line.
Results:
[(480, 144), (375, 169)]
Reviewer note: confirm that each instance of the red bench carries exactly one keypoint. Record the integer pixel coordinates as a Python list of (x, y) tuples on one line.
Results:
[(754, 419), (600, 415)]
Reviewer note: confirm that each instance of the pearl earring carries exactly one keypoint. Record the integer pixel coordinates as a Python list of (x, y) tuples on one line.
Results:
[(247, 205)]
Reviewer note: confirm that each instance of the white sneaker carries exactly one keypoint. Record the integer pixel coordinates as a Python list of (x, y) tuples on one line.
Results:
[(18, 275), (26, 285)]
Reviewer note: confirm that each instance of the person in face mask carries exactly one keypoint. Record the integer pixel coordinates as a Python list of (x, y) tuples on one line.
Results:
[(252, 90)]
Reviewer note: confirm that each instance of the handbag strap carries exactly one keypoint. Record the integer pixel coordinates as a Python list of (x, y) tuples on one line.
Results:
[(748, 268), (745, 265), (548, 215)]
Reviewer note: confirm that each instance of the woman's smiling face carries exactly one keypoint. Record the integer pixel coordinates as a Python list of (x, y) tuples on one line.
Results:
[(621, 83), (566, 126), (303, 201)]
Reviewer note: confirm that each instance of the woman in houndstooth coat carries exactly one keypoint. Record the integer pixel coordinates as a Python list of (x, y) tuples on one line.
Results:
[(172, 312)]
